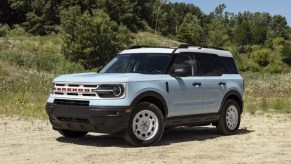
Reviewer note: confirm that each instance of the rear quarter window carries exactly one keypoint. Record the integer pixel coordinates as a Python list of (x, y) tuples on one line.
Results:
[(228, 65)]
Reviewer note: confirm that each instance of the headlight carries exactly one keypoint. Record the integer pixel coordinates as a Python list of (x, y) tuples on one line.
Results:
[(110, 90)]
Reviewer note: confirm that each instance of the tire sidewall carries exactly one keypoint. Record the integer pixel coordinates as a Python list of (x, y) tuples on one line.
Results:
[(227, 104), (130, 134)]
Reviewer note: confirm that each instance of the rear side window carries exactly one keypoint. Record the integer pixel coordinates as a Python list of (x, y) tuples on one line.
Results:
[(228, 65), (207, 65)]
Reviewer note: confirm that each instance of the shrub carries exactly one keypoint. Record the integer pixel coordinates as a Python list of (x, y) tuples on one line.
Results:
[(286, 53), (250, 66), (17, 30), (262, 57), (4, 30), (274, 67)]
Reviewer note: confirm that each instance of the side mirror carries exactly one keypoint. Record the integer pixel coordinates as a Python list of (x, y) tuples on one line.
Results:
[(180, 72)]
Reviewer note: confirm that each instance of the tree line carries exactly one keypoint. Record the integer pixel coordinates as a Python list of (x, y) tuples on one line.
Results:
[(93, 27)]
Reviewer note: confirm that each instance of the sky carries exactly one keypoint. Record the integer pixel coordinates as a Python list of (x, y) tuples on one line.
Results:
[(274, 7)]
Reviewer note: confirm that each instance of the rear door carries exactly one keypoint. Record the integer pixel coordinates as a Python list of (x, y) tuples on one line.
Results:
[(212, 84)]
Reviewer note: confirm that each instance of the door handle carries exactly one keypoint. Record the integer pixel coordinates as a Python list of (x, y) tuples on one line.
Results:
[(222, 83), (196, 84)]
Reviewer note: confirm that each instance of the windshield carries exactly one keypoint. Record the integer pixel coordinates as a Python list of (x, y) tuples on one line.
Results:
[(138, 63)]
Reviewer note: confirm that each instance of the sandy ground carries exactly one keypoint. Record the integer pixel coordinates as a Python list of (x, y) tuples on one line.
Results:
[(261, 139)]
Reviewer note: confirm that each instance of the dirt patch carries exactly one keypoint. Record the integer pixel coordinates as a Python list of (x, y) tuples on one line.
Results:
[(261, 139)]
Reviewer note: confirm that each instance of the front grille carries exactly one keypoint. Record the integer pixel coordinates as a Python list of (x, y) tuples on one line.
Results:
[(79, 90), (70, 119), (71, 102), (73, 85)]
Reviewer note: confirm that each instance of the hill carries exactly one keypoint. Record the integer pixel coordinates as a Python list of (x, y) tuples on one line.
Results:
[(29, 63)]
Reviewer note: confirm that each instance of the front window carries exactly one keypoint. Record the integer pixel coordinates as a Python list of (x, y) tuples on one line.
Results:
[(138, 63)]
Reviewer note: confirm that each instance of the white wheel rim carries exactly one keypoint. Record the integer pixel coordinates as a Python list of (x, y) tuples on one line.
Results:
[(145, 125), (231, 117)]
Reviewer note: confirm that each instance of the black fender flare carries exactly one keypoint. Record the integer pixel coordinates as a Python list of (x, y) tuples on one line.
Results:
[(231, 94), (155, 95)]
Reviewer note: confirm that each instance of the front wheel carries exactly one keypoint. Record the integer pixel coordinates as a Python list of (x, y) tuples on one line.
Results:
[(230, 118), (146, 125), (72, 134)]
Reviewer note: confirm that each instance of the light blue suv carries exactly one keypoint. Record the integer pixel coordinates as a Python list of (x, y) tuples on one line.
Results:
[(144, 90)]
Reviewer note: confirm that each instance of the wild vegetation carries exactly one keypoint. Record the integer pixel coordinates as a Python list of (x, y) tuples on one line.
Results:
[(40, 39), (24, 87)]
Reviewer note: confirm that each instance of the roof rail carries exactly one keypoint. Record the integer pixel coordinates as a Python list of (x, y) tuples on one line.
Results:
[(185, 45), (138, 46)]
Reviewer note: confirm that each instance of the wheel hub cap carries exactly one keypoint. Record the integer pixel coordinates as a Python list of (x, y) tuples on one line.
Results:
[(145, 125), (231, 117)]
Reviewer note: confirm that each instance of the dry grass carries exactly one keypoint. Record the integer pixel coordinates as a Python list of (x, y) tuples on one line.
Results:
[(24, 88), (150, 39), (268, 93)]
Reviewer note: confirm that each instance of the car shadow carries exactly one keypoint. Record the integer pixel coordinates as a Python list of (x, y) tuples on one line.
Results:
[(175, 135), (186, 134)]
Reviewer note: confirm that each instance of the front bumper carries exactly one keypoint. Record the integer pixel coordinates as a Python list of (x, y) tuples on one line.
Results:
[(88, 118)]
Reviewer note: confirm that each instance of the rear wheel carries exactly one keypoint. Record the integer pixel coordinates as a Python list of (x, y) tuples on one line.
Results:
[(230, 118), (146, 125), (72, 134)]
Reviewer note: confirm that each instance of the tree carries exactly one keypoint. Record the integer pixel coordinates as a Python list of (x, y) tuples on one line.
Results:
[(190, 30), (168, 21), (91, 39), (157, 6), (286, 53), (279, 26), (14, 11), (43, 17), (242, 34), (128, 12), (218, 36), (219, 10), (218, 27)]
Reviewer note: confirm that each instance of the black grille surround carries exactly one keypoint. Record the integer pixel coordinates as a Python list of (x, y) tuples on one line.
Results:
[(71, 102)]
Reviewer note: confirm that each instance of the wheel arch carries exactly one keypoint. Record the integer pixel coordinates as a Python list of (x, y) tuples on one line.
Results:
[(152, 97), (235, 95)]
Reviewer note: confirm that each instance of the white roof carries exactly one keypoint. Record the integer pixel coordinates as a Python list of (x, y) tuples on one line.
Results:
[(205, 50), (148, 50), (179, 50)]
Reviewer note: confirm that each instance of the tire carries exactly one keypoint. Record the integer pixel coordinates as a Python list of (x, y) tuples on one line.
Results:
[(229, 121), (146, 125), (72, 134)]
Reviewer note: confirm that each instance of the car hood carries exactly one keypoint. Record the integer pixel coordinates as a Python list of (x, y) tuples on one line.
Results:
[(106, 77)]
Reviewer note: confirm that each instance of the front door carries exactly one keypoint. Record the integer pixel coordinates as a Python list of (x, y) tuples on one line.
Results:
[(185, 93)]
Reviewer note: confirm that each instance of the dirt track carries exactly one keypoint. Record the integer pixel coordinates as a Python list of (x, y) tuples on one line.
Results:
[(261, 139)]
